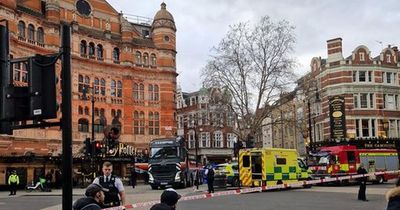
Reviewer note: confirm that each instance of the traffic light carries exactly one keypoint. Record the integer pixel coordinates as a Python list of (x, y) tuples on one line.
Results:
[(98, 148), (87, 147), (42, 87)]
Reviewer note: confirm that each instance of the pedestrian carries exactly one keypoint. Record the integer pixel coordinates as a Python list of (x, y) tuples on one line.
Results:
[(116, 194), (169, 199), (94, 198), (393, 197), (363, 183), (13, 181), (49, 180), (58, 179), (133, 177), (210, 178)]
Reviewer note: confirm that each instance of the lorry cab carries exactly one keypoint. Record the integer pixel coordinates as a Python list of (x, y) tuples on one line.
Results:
[(270, 166), (168, 163)]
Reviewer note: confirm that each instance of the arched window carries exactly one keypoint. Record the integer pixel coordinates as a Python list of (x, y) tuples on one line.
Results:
[(138, 57), (150, 92), (86, 84), (21, 29), (86, 110), (96, 112), (154, 123), (103, 87), (96, 86), (135, 91), (99, 125), (112, 112), (91, 50), (153, 60), (40, 35), (119, 113), (116, 123), (31, 32), (141, 92), (99, 52), (146, 59), (102, 112), (83, 48), (80, 83), (80, 110), (113, 88), (116, 55), (156, 93), (119, 89), (83, 125)]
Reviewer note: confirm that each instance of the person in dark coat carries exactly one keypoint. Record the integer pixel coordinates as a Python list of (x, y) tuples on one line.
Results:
[(133, 177), (363, 183), (210, 178), (94, 198), (393, 197), (169, 199)]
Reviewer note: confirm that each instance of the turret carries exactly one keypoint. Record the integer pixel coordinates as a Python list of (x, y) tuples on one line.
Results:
[(164, 37)]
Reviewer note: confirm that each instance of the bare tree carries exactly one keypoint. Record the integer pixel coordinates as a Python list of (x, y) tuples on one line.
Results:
[(254, 64)]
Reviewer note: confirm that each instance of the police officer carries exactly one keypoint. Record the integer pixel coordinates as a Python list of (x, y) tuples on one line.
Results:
[(116, 194), (363, 183), (13, 181)]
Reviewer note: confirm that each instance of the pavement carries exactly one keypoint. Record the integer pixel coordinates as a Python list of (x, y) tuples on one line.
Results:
[(140, 193), (318, 197)]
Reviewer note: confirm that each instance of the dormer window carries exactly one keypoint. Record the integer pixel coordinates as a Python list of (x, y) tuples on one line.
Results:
[(388, 58), (362, 56)]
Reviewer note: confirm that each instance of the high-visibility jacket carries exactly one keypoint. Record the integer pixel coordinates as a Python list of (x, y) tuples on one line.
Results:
[(13, 178)]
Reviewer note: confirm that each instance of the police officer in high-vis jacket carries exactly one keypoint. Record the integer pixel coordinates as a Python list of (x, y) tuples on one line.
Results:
[(13, 181), (116, 194)]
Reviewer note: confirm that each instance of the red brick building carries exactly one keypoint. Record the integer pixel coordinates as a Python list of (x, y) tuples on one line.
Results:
[(369, 86), (130, 67)]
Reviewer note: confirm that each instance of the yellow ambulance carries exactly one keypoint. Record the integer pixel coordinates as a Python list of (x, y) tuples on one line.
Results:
[(270, 166)]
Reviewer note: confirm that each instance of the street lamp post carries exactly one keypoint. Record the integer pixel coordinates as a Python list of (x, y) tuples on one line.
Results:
[(85, 91)]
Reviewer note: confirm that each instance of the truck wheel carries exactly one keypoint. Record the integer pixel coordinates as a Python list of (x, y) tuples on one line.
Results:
[(154, 187)]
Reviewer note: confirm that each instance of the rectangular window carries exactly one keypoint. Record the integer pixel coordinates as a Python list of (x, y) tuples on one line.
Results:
[(390, 102), (371, 100), (355, 98), (362, 76), (358, 128), (369, 76), (365, 127), (351, 157), (246, 161), (373, 128), (364, 100), (388, 58), (354, 76), (388, 77)]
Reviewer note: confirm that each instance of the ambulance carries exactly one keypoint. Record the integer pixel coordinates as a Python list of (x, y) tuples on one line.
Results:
[(270, 166)]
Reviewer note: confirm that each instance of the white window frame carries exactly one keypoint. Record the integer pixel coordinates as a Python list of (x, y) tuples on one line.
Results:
[(388, 58), (372, 128), (231, 139), (368, 79), (357, 100), (362, 56), (218, 139), (205, 139), (191, 139)]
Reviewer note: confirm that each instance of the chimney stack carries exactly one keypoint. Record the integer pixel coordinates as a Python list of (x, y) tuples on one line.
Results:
[(334, 50)]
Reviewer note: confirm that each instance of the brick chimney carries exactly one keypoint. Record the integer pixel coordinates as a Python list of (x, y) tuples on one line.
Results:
[(334, 50)]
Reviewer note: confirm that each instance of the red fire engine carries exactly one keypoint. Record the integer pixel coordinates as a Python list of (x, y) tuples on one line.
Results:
[(336, 161)]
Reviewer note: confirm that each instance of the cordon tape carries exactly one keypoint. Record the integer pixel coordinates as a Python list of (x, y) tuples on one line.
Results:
[(255, 189)]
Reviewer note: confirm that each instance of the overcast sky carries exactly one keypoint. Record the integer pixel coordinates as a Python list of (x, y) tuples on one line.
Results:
[(201, 24)]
